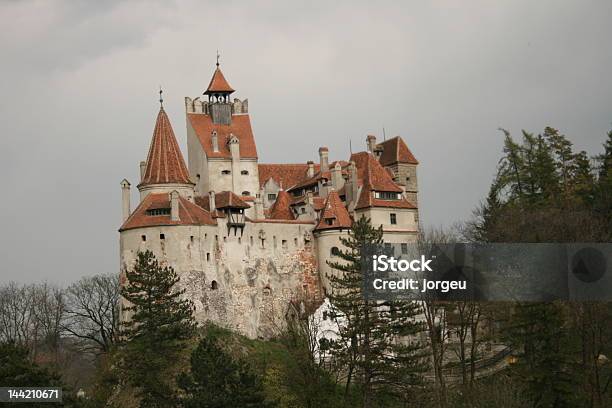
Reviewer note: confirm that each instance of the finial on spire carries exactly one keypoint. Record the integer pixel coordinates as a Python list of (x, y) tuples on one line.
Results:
[(161, 97), (218, 55)]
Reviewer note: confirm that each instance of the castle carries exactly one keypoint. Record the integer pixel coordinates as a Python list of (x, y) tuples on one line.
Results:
[(248, 238)]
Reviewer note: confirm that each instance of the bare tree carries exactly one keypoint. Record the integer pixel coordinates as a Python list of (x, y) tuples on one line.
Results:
[(17, 319), (92, 311)]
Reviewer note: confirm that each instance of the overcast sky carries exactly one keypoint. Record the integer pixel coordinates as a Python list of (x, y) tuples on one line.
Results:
[(79, 82)]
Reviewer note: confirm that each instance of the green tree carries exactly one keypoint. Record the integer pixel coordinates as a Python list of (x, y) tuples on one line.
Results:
[(217, 380), (369, 330), (159, 325), (17, 370)]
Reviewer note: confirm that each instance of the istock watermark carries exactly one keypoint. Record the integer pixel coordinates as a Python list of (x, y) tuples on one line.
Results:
[(488, 272)]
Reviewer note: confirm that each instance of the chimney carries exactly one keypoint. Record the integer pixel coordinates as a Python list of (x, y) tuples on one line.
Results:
[(174, 206), (143, 168), (234, 147), (336, 177), (259, 208), (211, 201), (324, 158), (310, 168), (125, 198), (352, 188), (215, 141), (371, 142)]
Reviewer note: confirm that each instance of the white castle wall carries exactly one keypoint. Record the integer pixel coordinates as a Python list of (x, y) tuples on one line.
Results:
[(254, 282)]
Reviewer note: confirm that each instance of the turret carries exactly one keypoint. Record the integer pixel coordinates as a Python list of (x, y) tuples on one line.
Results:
[(165, 168)]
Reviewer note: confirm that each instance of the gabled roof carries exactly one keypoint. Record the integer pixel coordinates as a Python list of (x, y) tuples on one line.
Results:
[(372, 174), (334, 214), (374, 178), (285, 175), (218, 84), (396, 151), (228, 199), (165, 163), (189, 213), (281, 209), (240, 127)]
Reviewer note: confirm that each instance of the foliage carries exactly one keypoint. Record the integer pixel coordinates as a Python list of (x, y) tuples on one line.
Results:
[(377, 341), (160, 324)]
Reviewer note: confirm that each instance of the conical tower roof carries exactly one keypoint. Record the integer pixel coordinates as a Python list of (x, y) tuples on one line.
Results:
[(165, 163), (218, 84)]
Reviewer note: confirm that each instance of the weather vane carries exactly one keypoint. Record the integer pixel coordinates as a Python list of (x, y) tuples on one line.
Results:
[(218, 55), (161, 98)]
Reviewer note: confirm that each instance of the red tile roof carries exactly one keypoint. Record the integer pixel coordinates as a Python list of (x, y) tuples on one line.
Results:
[(189, 213), (165, 163), (373, 174), (218, 83), (281, 209), (240, 127), (396, 151), (285, 175), (228, 199), (334, 214)]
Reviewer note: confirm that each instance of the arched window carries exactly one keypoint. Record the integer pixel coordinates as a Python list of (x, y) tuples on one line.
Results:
[(334, 251), (214, 285)]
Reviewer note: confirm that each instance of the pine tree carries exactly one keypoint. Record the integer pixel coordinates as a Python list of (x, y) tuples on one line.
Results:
[(369, 330), (217, 380), (160, 323)]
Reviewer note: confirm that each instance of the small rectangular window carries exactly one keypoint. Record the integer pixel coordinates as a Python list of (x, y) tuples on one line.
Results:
[(295, 241), (208, 257), (271, 197), (393, 218), (162, 236), (251, 240), (144, 238), (284, 244), (191, 239), (404, 248)]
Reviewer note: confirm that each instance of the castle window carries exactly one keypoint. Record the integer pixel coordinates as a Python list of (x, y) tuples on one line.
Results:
[(214, 285), (162, 236), (198, 177), (387, 195), (239, 240), (295, 241), (284, 244), (329, 221), (393, 218), (158, 211), (144, 238), (225, 172), (246, 193), (389, 249), (244, 172), (271, 197), (251, 240), (334, 251), (208, 257), (191, 239), (205, 236), (303, 210), (274, 240), (408, 178), (404, 248)]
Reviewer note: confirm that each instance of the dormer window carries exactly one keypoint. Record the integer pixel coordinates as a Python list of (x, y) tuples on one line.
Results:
[(387, 195), (244, 172), (158, 211), (329, 221), (226, 172)]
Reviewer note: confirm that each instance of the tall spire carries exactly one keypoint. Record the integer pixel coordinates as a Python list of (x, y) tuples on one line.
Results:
[(218, 85), (165, 163)]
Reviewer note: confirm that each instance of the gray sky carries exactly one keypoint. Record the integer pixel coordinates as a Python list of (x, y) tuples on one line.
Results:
[(78, 98)]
